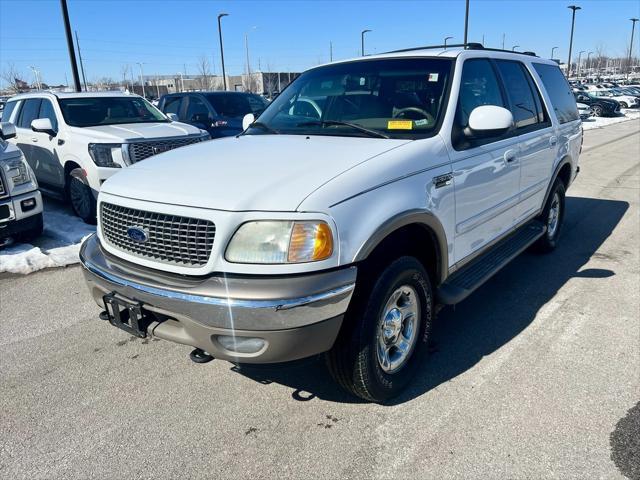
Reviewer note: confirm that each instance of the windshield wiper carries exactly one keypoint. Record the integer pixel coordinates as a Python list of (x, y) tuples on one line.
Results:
[(264, 127), (322, 123)]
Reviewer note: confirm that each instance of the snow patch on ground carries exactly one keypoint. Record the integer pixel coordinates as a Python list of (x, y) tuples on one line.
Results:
[(599, 122), (57, 247)]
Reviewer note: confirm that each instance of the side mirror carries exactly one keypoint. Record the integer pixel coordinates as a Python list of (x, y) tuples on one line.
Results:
[(488, 121), (247, 120), (43, 125), (172, 116), (7, 130)]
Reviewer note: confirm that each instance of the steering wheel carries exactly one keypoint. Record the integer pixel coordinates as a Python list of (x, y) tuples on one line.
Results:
[(426, 115)]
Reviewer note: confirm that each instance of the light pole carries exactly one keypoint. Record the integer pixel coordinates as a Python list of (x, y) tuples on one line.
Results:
[(362, 40), (445, 41), (466, 22), (579, 60), (141, 79), (72, 53), (36, 77), (633, 28), (224, 74), (573, 21), (514, 48), (181, 80), (553, 50)]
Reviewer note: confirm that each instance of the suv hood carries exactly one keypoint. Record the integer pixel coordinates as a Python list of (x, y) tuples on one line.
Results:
[(136, 131), (249, 172)]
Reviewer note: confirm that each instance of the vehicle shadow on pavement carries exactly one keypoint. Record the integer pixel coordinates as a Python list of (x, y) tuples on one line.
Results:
[(492, 316)]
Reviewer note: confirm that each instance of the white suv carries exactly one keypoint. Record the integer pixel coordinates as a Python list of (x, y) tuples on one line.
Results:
[(369, 192), (75, 141)]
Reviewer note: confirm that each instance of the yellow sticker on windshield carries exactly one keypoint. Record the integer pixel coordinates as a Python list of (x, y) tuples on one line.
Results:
[(399, 125)]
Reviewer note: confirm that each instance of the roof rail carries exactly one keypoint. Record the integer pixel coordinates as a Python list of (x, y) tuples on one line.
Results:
[(466, 46)]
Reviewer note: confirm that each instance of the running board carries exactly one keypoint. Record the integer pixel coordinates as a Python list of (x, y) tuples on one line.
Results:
[(464, 281)]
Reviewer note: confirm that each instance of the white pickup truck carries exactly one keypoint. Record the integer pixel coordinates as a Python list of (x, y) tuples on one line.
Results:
[(369, 192), (75, 141)]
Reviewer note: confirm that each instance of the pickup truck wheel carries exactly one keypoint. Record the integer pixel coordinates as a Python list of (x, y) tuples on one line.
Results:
[(386, 333), (82, 200), (552, 216)]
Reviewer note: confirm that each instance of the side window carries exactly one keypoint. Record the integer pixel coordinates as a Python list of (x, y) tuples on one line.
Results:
[(29, 112), (523, 106), (8, 110), (257, 104), (556, 85), (479, 86), (47, 111), (197, 110), (172, 105)]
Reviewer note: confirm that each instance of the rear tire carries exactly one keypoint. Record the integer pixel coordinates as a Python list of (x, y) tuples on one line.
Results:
[(552, 216), (386, 333), (624, 105), (597, 111), (82, 200)]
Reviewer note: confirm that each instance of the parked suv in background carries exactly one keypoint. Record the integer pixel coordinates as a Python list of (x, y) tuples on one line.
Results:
[(219, 113), (369, 192), (601, 106), (75, 141), (20, 201)]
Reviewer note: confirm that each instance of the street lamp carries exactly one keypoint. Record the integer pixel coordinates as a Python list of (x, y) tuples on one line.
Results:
[(466, 22), (579, 60), (633, 27), (514, 48), (573, 21), (445, 41), (362, 40), (553, 50), (36, 75), (224, 75), (141, 78)]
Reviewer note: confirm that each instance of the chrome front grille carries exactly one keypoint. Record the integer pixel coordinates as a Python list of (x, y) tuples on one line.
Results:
[(170, 239), (2, 189), (141, 150)]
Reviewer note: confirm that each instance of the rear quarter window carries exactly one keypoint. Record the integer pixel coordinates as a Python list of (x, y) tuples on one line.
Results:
[(564, 103), (8, 110)]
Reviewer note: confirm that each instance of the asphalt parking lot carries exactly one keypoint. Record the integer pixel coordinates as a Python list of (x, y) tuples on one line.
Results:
[(534, 376)]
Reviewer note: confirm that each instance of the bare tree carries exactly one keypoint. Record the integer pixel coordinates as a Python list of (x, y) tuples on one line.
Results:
[(270, 82), (13, 78), (204, 72), (124, 70)]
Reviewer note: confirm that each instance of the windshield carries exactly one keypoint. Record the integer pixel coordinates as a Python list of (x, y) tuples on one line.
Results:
[(397, 98), (89, 112)]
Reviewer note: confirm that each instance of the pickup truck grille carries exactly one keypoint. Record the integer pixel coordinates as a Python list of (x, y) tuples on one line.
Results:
[(170, 239), (141, 150), (2, 189)]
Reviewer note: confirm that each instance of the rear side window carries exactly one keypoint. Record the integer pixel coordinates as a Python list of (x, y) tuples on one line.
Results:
[(8, 110), (47, 111), (479, 86), (29, 112), (230, 105), (172, 105), (526, 111), (564, 103), (197, 110)]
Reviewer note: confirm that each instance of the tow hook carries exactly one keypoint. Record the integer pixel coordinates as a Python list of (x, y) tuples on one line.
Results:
[(200, 356)]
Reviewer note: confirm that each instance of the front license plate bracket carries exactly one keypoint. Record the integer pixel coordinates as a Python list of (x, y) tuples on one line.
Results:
[(126, 315)]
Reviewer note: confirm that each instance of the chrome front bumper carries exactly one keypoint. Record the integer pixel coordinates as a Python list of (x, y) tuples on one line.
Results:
[(298, 315)]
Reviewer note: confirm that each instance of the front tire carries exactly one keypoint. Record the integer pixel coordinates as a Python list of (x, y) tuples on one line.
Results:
[(597, 111), (552, 216), (82, 200), (386, 333), (624, 105)]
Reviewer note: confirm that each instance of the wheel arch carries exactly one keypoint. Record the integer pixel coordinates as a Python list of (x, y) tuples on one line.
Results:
[(415, 231)]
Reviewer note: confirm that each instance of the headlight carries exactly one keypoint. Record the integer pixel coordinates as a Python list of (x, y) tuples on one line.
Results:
[(17, 171), (281, 242), (102, 154)]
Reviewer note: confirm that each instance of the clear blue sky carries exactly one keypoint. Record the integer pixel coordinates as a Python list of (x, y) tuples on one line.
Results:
[(288, 35)]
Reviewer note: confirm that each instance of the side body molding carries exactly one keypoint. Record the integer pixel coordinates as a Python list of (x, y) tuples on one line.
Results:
[(419, 217)]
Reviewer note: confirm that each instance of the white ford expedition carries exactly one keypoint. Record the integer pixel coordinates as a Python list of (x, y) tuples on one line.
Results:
[(367, 194), (75, 141)]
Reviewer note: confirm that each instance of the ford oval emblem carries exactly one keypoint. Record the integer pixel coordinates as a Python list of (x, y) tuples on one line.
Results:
[(138, 234)]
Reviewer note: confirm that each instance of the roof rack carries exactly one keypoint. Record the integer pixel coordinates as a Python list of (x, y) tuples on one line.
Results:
[(466, 46)]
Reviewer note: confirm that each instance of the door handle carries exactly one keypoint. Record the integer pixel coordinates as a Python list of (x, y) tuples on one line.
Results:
[(34, 139), (510, 156), (553, 141)]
